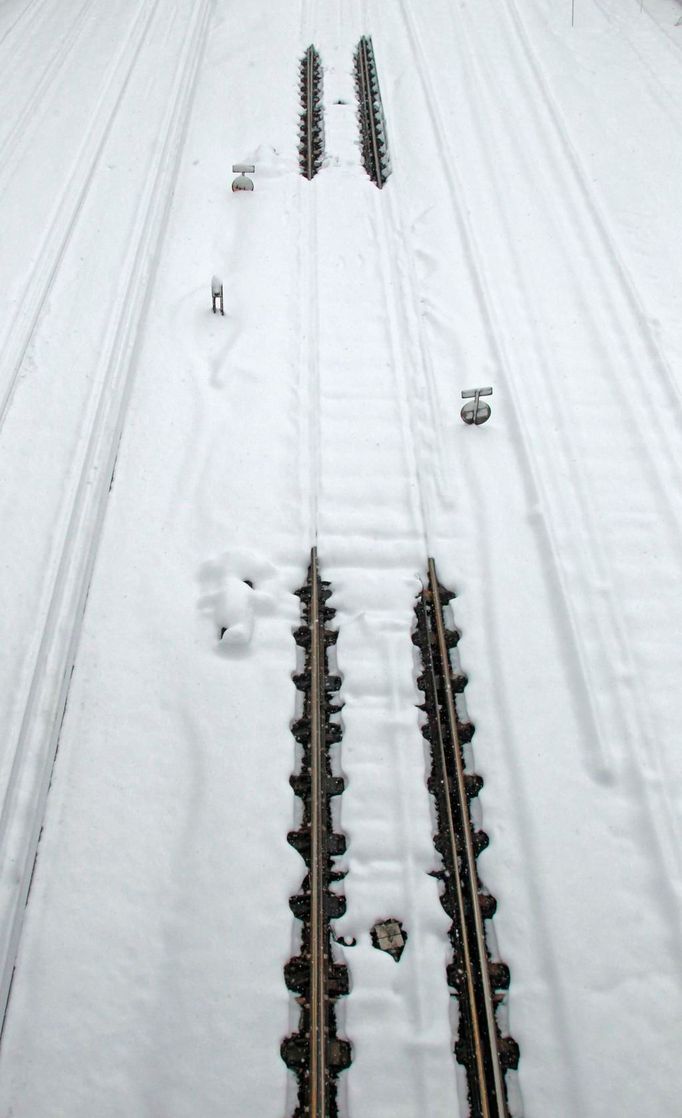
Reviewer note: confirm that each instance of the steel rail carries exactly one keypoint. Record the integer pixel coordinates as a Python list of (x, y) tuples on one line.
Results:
[(318, 967), (365, 78), (310, 111), (493, 1104)]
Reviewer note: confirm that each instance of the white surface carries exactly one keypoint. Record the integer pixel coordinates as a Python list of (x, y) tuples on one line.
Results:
[(528, 238)]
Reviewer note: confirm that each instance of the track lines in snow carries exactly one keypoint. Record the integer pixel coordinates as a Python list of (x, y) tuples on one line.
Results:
[(309, 384), (400, 340), (309, 328), (549, 495), (580, 507), (551, 499), (45, 81), (591, 214), (34, 751), (22, 14), (62, 226)]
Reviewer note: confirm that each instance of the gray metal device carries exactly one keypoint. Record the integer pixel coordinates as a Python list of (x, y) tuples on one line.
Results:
[(242, 170), (217, 295), (475, 412)]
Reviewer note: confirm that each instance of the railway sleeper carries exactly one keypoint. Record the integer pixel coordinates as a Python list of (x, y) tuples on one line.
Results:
[(498, 973), (333, 905), (334, 785), (300, 840), (302, 636), (302, 680), (301, 729), (295, 1050), (297, 977)]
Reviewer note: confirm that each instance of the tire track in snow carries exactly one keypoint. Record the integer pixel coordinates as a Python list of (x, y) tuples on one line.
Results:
[(69, 207), (25, 798)]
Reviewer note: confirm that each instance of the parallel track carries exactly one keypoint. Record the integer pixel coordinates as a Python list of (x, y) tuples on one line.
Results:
[(315, 1053), (480, 1046), (371, 114), (25, 796), (311, 145)]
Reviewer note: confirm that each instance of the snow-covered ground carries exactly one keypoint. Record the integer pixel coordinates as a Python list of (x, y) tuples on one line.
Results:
[(153, 457)]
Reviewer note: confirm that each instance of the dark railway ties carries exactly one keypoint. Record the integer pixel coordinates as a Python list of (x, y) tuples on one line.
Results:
[(315, 1053), (375, 155), (477, 980)]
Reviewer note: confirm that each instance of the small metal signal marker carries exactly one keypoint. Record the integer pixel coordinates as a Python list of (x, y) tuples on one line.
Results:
[(475, 412)]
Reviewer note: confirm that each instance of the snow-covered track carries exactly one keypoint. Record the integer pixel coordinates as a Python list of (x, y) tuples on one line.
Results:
[(311, 145), (42, 89), (477, 980), (33, 752), (26, 11), (15, 344), (375, 156), (315, 1053)]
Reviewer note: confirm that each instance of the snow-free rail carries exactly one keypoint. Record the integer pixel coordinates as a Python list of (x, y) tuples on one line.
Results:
[(315, 1053), (371, 112), (476, 978)]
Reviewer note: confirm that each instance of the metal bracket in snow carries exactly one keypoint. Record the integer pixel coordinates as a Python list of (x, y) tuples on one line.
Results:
[(475, 412)]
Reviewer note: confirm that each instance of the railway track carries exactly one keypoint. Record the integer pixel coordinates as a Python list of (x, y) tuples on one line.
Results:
[(34, 298), (478, 980), (315, 1053), (375, 156), (311, 129), (33, 753)]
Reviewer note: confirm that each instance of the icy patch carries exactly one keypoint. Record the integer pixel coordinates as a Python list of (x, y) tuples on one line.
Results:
[(234, 595)]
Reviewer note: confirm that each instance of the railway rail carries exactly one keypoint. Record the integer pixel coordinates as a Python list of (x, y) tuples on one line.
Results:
[(478, 980), (315, 1053), (375, 155), (311, 128)]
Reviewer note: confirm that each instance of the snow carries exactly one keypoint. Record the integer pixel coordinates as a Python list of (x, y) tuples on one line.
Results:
[(165, 472)]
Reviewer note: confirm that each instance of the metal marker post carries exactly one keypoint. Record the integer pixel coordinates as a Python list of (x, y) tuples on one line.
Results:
[(242, 170), (475, 413), (217, 295)]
